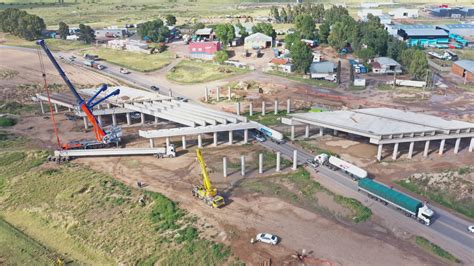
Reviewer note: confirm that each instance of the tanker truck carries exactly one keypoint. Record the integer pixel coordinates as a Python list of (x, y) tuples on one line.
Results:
[(334, 163), (409, 206)]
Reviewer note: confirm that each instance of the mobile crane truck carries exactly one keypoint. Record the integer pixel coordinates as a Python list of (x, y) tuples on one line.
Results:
[(103, 138), (206, 192)]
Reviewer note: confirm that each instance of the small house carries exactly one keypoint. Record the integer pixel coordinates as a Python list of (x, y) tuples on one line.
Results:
[(257, 41), (322, 69), (464, 69), (111, 33), (203, 50), (281, 64), (205, 34), (404, 13), (385, 65), (129, 45)]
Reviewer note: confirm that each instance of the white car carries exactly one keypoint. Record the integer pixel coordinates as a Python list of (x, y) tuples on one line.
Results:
[(124, 71), (470, 228), (267, 238)]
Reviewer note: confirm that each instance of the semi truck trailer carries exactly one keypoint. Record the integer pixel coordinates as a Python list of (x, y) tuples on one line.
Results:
[(334, 163), (409, 206)]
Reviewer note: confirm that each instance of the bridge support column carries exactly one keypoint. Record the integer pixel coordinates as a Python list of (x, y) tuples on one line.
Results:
[(152, 143), (215, 139), (142, 116), (246, 136), (56, 108), (275, 109), (99, 119), (229, 95), (129, 119), (206, 94), (218, 94), (199, 141), (167, 142), (288, 106), (292, 133), (156, 120), (427, 148), (260, 163), (395, 151), (295, 159), (224, 166), (441, 147), (183, 140), (42, 107), (250, 109), (456, 146), (277, 168), (242, 165), (379, 152), (238, 108), (231, 138), (114, 119), (306, 131), (86, 125), (471, 145), (263, 108), (321, 131), (410, 150)]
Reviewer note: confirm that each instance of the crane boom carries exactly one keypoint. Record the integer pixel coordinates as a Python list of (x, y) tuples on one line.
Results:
[(210, 191), (86, 107)]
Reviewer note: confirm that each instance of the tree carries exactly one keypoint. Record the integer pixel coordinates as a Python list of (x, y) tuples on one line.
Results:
[(225, 33), (265, 28), (318, 12), (301, 56), (198, 26), (275, 14), (221, 56), (324, 31), (154, 31), (419, 65), (283, 15), (338, 73), (170, 20), (242, 31), (365, 54), (335, 14), (306, 26), (290, 39), (22, 24), (86, 34), (63, 30), (395, 48)]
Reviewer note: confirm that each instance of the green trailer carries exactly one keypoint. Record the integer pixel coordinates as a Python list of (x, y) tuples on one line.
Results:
[(412, 207)]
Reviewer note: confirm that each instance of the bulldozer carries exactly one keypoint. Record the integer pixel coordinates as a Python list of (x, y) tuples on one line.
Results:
[(206, 192)]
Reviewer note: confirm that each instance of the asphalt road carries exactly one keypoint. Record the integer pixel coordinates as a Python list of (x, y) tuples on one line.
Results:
[(447, 231)]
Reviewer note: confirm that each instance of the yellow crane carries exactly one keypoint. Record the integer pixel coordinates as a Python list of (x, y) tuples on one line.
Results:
[(206, 192)]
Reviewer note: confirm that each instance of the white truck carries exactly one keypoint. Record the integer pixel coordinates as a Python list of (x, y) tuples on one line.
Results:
[(271, 133), (334, 163)]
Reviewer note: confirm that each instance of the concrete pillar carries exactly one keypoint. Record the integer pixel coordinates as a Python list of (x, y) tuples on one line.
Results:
[(441, 147), (395, 151), (379, 152), (129, 119), (288, 106), (250, 109), (427, 148), (215, 139), (277, 162), (199, 141), (242, 165), (224, 166), (218, 94), (142, 118), (456, 146), (321, 131), (410, 150), (306, 131), (170, 93), (471, 145), (335, 132), (238, 108), (183, 139), (206, 94), (292, 132), (86, 125), (275, 111), (152, 143), (246, 136), (99, 119), (229, 95), (114, 119), (156, 120), (263, 108), (56, 108), (231, 138), (167, 142), (295, 159), (260, 163), (42, 107)]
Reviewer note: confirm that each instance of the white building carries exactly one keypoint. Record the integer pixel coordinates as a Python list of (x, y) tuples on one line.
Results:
[(257, 40), (385, 65), (404, 13), (129, 45)]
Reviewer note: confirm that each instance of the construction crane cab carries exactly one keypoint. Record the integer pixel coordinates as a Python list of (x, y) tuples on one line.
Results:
[(206, 192)]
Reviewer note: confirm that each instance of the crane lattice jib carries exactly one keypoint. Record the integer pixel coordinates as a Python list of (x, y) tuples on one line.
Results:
[(206, 181)]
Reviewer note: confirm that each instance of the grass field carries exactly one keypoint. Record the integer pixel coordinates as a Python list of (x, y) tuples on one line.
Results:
[(296, 77), (191, 71), (53, 44), (95, 219), (435, 249), (134, 61)]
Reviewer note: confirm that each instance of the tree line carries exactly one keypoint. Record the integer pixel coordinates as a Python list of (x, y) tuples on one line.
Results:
[(21, 24)]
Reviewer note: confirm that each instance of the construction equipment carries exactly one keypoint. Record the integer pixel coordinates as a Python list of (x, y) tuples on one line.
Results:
[(206, 192), (111, 136)]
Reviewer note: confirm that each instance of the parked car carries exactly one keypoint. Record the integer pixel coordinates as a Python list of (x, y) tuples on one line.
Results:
[(260, 137), (124, 71), (182, 99), (154, 88), (135, 115), (470, 228), (267, 238)]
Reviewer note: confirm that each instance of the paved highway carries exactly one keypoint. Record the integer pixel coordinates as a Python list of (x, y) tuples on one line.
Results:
[(448, 230)]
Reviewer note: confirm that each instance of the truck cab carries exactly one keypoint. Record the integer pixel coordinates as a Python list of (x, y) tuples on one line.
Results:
[(425, 214)]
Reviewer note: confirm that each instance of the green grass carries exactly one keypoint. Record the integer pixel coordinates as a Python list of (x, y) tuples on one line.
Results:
[(193, 71), (134, 61), (299, 78), (269, 119), (16, 248), (53, 44), (449, 200), (362, 213), (95, 219), (7, 107), (309, 146), (9, 140), (7, 122), (435, 249)]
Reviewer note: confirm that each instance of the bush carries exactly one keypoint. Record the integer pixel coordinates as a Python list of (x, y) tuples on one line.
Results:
[(165, 213), (426, 244), (221, 56), (362, 213), (187, 235), (7, 122)]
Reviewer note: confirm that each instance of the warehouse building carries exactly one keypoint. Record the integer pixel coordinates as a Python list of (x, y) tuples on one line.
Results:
[(257, 41), (424, 37), (464, 69), (401, 13), (386, 127), (456, 12), (385, 65)]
